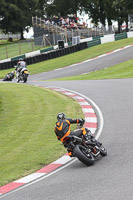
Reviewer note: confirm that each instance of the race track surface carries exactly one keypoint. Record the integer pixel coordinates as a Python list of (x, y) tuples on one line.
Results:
[(111, 177)]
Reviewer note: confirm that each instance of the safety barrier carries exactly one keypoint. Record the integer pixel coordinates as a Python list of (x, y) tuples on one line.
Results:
[(120, 36), (45, 56), (94, 42), (46, 49), (18, 57)]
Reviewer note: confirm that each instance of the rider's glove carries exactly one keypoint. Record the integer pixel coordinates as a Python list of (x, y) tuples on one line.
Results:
[(81, 121)]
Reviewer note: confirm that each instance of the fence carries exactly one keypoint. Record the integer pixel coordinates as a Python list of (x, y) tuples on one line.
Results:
[(17, 48)]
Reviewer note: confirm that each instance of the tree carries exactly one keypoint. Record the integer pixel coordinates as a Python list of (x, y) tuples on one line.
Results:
[(17, 15), (63, 7)]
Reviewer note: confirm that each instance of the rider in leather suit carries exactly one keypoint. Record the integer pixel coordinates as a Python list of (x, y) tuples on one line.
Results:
[(62, 129)]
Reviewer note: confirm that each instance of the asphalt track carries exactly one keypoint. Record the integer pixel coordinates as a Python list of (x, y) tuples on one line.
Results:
[(111, 177)]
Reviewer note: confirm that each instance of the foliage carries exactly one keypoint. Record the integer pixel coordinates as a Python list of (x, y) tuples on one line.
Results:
[(16, 16), (98, 10)]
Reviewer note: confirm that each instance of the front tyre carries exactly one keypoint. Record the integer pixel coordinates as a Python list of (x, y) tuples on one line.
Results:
[(103, 151), (83, 155)]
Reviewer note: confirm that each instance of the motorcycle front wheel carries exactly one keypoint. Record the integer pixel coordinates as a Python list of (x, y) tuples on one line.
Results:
[(103, 151), (83, 155)]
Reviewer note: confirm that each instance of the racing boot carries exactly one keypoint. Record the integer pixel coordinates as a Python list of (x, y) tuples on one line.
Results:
[(99, 144)]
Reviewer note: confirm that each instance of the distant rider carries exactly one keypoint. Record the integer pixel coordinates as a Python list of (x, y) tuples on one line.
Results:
[(62, 129), (9, 76)]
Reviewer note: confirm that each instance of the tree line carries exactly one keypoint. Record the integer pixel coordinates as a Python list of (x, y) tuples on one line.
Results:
[(16, 16)]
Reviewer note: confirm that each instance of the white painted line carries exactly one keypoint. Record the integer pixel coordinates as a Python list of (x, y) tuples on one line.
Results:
[(78, 97), (102, 56), (127, 46), (91, 119), (68, 93), (84, 103), (64, 159), (85, 73), (87, 60), (117, 50), (60, 90), (58, 69), (88, 110), (30, 178)]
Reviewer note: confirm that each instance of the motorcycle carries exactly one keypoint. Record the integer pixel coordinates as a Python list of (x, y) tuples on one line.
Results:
[(85, 151), (9, 76), (22, 75)]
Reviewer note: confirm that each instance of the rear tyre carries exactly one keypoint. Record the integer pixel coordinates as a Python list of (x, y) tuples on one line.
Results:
[(25, 78), (84, 156), (18, 80)]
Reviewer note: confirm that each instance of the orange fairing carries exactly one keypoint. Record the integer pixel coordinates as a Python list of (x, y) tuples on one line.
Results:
[(70, 153), (84, 131)]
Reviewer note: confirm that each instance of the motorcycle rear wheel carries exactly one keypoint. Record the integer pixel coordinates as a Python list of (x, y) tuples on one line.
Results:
[(85, 157), (25, 78)]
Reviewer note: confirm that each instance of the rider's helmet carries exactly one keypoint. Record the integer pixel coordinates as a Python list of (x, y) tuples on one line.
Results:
[(20, 59), (61, 116)]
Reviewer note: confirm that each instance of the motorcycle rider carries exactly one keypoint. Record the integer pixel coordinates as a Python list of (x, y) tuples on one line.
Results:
[(62, 129), (20, 65), (9, 76)]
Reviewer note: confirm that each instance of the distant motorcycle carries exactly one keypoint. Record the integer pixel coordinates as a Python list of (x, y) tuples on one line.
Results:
[(84, 150), (9, 76), (22, 75)]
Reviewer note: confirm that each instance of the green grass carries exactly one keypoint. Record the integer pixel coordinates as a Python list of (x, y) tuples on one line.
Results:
[(74, 57), (12, 49), (123, 70), (27, 120)]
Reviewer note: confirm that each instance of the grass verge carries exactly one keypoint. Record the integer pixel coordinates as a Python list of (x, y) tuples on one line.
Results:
[(74, 57), (27, 120)]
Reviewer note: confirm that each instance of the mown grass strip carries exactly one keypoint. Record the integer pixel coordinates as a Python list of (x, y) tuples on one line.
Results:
[(27, 120), (74, 57)]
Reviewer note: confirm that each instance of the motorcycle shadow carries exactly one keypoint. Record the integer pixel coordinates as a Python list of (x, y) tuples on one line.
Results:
[(78, 164)]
